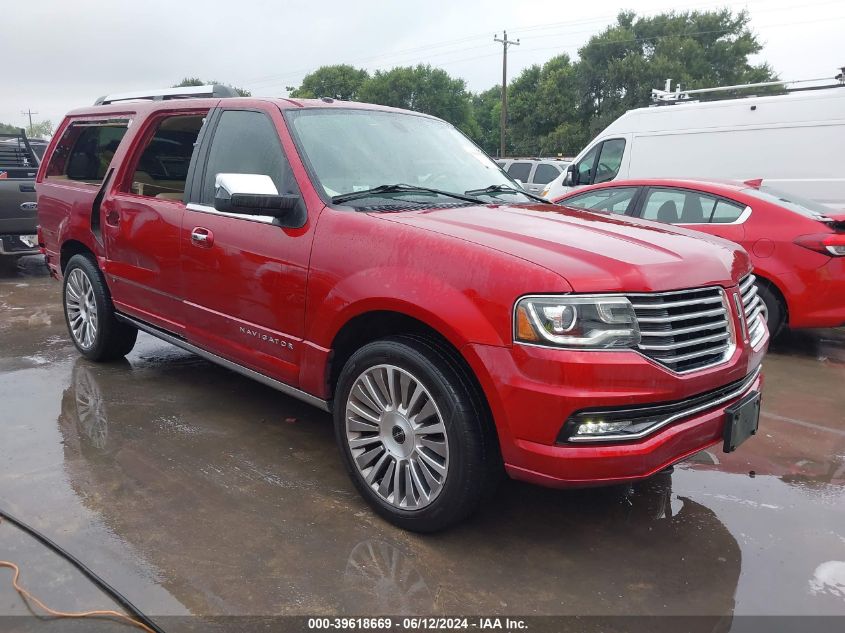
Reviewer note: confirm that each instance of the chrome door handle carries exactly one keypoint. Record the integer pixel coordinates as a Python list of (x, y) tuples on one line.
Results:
[(202, 237)]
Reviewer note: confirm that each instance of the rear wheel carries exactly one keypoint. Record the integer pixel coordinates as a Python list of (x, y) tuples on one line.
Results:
[(774, 309), (413, 440), (90, 315)]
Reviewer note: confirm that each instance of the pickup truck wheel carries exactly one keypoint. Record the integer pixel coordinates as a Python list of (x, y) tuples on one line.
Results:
[(412, 439), (89, 313)]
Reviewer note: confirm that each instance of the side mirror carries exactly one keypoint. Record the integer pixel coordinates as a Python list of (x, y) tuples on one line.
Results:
[(252, 194), (571, 177)]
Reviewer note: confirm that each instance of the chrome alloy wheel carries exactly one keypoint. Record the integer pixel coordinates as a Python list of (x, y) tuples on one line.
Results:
[(81, 308), (397, 437)]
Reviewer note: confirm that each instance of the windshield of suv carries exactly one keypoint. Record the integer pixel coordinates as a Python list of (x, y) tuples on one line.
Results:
[(353, 150), (803, 206)]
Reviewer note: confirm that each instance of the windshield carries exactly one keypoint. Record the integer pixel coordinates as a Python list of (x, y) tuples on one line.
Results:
[(803, 206), (353, 150)]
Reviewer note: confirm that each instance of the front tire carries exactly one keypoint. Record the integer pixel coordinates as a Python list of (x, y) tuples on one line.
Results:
[(90, 314), (775, 309), (414, 438)]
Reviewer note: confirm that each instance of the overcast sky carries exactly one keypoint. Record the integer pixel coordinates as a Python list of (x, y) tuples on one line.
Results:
[(61, 54)]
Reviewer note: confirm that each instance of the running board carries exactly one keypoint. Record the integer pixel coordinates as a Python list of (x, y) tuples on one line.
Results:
[(228, 364)]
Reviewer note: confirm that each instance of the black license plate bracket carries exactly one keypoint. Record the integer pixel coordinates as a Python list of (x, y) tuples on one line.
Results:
[(741, 421)]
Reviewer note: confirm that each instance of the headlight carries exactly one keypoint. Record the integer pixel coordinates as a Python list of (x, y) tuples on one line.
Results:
[(576, 321)]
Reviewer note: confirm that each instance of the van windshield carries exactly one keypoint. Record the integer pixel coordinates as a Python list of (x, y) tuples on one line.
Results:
[(803, 206), (356, 150)]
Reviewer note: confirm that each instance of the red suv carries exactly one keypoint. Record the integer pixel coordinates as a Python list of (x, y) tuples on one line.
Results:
[(377, 264), (797, 246)]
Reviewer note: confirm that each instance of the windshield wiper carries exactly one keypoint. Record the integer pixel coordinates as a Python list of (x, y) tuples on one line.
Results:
[(494, 189), (400, 188)]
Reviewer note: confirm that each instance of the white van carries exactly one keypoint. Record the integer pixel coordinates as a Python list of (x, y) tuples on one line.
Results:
[(795, 142)]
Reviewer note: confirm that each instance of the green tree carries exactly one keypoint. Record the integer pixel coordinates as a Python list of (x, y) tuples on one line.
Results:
[(424, 89), (542, 104), (5, 128), (696, 49), (40, 129), (486, 110), (196, 81), (339, 81)]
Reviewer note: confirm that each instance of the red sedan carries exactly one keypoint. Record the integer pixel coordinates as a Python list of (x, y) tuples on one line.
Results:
[(797, 245)]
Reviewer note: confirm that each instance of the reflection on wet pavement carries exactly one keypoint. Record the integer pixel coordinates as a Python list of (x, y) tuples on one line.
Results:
[(195, 490)]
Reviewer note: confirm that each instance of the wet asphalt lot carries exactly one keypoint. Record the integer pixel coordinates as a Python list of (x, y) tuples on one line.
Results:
[(196, 491)]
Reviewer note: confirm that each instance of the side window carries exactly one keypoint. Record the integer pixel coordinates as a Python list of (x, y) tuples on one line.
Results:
[(613, 199), (610, 160), (246, 142), (544, 174), (519, 171), (85, 150), (679, 207), (726, 212), (585, 166), (162, 168)]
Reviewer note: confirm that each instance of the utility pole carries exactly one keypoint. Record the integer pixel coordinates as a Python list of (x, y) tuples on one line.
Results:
[(29, 113), (505, 42)]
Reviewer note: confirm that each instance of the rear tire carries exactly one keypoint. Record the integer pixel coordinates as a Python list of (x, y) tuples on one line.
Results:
[(774, 308), (439, 442), (90, 314)]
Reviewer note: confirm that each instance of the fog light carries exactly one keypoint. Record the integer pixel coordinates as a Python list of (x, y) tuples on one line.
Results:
[(600, 427)]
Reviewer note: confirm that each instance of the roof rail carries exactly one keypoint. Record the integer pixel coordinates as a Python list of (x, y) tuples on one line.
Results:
[(161, 94), (668, 96)]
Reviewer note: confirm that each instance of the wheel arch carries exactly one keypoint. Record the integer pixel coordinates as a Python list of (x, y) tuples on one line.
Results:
[(766, 280)]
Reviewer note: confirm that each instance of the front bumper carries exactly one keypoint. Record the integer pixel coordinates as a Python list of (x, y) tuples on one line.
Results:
[(533, 391)]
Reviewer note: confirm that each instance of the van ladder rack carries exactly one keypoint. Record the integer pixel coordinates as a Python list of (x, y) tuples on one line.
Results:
[(667, 96)]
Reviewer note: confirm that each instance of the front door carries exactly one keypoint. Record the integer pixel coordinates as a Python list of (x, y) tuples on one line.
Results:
[(244, 276)]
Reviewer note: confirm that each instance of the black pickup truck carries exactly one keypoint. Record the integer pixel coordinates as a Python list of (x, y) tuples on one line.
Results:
[(19, 160)]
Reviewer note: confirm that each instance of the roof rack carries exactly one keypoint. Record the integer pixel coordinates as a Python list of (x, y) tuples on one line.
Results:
[(161, 94), (667, 96)]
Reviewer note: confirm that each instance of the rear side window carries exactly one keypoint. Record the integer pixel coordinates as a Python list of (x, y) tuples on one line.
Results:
[(544, 174), (162, 168), (246, 142), (678, 206), (519, 171), (85, 151), (613, 199)]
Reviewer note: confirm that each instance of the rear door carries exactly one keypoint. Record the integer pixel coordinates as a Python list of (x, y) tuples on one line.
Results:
[(543, 174), (141, 220), (244, 276)]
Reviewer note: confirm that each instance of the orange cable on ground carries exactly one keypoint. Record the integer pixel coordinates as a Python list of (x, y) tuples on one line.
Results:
[(122, 617)]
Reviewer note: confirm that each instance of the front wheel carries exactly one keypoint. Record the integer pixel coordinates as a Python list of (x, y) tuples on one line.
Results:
[(90, 315), (413, 436)]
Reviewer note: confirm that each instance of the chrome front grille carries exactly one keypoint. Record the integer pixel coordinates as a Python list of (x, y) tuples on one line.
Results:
[(684, 330), (754, 308)]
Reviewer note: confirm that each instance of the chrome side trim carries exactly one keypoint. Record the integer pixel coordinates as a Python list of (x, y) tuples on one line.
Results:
[(204, 208), (740, 390), (228, 364)]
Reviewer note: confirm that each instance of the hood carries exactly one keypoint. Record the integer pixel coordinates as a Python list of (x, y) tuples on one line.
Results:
[(594, 252)]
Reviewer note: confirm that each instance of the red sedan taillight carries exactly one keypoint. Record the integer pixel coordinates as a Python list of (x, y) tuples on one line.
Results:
[(827, 243)]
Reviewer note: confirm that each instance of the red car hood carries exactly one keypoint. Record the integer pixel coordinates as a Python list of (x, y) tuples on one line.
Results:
[(594, 252)]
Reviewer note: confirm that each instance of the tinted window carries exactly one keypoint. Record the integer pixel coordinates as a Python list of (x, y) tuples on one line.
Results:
[(246, 143), (544, 174), (85, 151), (614, 199), (519, 171), (162, 168), (609, 160)]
